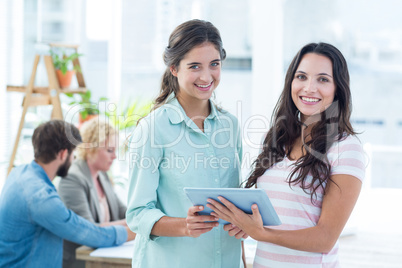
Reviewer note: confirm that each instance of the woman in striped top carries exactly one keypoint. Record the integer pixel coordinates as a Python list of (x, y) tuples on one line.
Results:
[(311, 165)]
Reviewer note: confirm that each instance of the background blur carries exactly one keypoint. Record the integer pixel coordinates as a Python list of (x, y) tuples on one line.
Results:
[(122, 43)]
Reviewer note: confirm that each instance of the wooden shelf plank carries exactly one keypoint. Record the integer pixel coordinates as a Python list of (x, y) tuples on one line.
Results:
[(63, 45), (42, 90), (38, 100), (73, 90), (45, 90)]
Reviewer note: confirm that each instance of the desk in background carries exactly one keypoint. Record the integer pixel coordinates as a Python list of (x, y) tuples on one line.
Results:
[(120, 256), (83, 253)]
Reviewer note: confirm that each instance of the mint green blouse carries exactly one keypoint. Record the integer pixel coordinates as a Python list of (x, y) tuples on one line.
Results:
[(167, 153)]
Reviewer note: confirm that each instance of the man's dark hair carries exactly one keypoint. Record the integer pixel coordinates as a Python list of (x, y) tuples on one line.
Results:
[(53, 136)]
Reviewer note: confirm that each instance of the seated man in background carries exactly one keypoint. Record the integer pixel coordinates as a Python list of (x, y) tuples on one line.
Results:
[(33, 219), (87, 189)]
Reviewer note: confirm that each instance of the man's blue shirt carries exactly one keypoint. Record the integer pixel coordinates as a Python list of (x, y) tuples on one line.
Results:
[(34, 221)]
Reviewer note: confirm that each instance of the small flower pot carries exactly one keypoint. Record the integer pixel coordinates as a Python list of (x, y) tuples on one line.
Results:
[(64, 79)]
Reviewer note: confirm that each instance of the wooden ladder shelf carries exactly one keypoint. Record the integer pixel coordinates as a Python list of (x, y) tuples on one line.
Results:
[(50, 95)]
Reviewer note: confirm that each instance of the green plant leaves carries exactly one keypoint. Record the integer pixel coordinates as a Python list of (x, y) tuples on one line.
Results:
[(87, 107), (65, 62), (130, 113), (125, 116)]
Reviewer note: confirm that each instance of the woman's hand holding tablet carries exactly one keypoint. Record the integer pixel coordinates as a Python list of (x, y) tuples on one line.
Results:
[(236, 198)]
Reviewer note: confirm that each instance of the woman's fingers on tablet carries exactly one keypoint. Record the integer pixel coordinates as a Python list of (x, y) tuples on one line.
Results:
[(202, 225), (228, 227), (192, 214), (198, 232), (222, 213), (195, 230), (228, 204), (241, 234), (256, 214), (255, 210), (229, 212), (217, 206), (197, 226), (222, 216), (235, 231), (194, 210), (201, 218)]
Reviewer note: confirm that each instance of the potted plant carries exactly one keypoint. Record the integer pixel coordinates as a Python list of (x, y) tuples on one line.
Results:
[(127, 114), (64, 67), (88, 109), (125, 118)]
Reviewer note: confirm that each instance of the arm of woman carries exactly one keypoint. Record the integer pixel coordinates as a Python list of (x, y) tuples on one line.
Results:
[(337, 206), (143, 216), (194, 225), (142, 212)]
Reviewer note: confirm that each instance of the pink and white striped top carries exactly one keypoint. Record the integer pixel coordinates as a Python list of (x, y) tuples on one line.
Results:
[(296, 211)]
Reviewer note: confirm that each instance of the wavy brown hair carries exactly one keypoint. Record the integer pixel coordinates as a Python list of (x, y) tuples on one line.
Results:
[(184, 38), (332, 125)]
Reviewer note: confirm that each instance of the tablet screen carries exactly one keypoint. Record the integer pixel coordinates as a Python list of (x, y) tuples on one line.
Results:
[(242, 198)]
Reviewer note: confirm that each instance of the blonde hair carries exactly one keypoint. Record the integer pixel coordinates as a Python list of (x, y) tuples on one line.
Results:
[(94, 134)]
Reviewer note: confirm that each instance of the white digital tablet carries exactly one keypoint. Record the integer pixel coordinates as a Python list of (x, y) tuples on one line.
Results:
[(242, 198)]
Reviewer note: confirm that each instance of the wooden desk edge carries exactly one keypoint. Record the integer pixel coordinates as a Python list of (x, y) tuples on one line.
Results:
[(82, 253)]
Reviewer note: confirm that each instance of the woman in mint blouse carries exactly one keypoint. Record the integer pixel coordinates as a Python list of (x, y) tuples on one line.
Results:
[(186, 141)]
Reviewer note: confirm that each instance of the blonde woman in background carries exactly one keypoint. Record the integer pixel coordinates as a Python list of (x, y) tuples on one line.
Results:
[(87, 189)]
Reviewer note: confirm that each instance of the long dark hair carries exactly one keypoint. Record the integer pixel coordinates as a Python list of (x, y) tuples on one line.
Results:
[(185, 37), (333, 125)]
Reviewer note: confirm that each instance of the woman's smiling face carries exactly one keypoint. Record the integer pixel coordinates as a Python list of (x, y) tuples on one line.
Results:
[(199, 73), (313, 86)]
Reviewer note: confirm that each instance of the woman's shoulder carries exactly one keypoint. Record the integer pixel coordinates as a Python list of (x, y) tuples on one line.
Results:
[(347, 146), (156, 126), (157, 117), (227, 117), (347, 156), (222, 112), (348, 139)]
